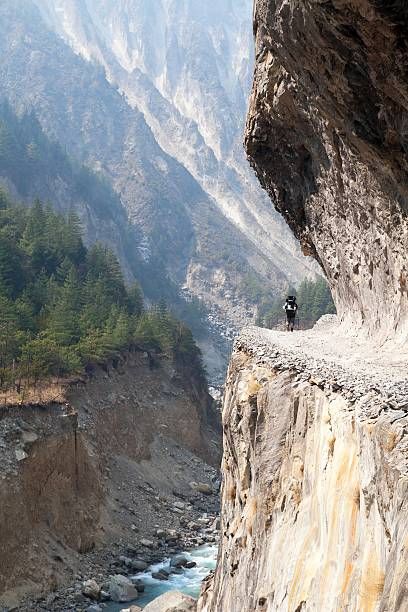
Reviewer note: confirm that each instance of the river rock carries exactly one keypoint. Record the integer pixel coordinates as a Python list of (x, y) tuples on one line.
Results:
[(172, 535), (132, 609), (178, 561), (147, 543), (94, 608), (180, 505), (204, 488), (139, 565), (193, 526), (126, 561), (160, 575), (91, 589), (138, 584), (121, 589), (172, 601)]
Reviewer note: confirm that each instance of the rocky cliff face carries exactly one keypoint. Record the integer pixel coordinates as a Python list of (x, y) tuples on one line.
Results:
[(80, 470), (314, 499), (315, 448), (327, 136)]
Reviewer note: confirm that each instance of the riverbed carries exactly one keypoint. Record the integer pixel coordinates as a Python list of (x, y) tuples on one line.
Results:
[(188, 582)]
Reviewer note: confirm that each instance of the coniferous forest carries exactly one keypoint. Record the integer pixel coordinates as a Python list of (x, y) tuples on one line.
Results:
[(64, 307)]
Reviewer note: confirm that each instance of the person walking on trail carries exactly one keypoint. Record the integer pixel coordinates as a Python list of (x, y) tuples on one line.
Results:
[(291, 309)]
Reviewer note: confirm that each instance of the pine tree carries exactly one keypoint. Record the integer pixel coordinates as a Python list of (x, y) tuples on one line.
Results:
[(63, 325)]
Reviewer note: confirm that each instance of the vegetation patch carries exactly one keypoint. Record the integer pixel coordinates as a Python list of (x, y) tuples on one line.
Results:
[(64, 307)]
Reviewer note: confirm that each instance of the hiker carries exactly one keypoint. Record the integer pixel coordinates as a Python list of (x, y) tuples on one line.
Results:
[(291, 309)]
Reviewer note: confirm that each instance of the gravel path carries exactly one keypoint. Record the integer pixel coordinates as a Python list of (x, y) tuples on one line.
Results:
[(331, 359)]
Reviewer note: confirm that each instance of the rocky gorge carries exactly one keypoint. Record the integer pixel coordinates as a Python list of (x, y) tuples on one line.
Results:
[(118, 474), (314, 492), (117, 471)]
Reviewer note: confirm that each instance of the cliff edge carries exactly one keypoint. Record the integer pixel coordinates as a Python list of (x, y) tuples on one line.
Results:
[(315, 477), (89, 475)]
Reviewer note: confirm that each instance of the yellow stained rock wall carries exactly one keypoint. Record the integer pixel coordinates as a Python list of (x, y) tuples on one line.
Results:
[(314, 502)]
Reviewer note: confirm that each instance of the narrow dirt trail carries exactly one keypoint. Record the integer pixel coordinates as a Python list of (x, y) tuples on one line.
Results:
[(326, 353)]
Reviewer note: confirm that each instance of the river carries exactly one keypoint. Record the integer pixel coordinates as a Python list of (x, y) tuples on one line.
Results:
[(188, 582)]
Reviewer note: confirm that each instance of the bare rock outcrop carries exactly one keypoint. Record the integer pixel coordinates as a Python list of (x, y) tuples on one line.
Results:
[(172, 601), (315, 468), (314, 495), (327, 135)]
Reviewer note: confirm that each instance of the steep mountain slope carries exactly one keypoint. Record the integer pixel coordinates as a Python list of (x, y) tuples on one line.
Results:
[(77, 108), (31, 166), (189, 75)]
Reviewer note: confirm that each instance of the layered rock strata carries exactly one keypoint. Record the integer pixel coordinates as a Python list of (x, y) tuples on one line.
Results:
[(315, 484), (327, 136)]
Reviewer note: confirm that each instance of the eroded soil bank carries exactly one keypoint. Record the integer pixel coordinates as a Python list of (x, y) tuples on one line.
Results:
[(125, 467)]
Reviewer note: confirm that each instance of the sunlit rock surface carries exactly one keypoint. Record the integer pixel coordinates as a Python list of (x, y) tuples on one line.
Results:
[(314, 483), (315, 451)]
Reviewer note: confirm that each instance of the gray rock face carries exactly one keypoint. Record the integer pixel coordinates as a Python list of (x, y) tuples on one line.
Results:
[(327, 138), (314, 499), (173, 601)]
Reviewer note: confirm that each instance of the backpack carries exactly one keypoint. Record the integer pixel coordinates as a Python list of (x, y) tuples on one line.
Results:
[(291, 302)]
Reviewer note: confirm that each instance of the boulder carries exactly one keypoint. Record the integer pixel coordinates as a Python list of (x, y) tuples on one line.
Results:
[(204, 488), (20, 454), (178, 561), (91, 589), (192, 526), (147, 543), (139, 565), (94, 608), (126, 561), (160, 575), (172, 535), (132, 609), (121, 589), (172, 601), (180, 505), (215, 526), (138, 584)]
